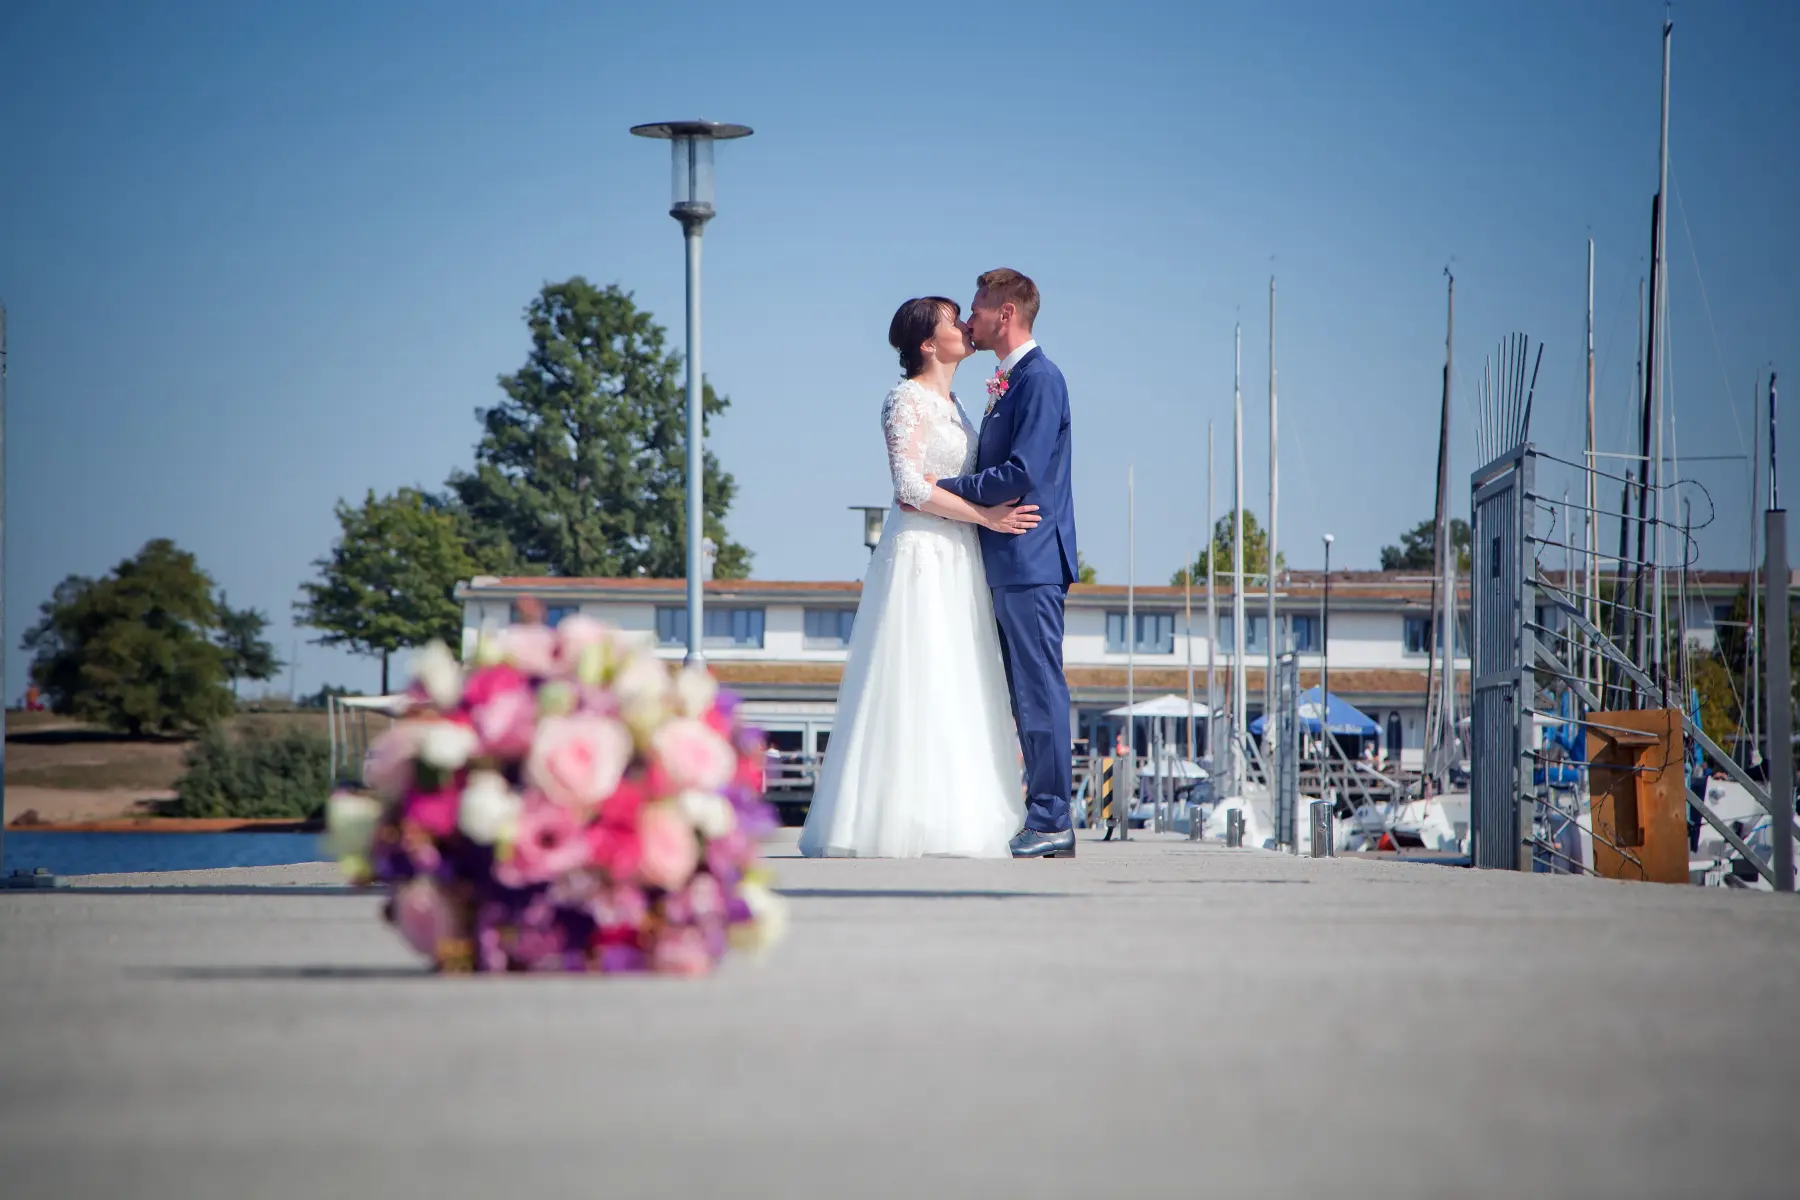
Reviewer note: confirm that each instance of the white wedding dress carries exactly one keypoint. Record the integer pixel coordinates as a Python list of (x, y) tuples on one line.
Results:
[(923, 758)]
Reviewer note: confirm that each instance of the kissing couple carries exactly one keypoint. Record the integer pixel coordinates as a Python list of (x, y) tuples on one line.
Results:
[(954, 675)]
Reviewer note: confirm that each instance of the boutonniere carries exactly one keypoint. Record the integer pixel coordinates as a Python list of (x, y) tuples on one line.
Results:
[(996, 388)]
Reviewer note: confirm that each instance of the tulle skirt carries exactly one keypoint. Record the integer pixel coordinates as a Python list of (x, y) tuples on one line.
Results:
[(923, 758)]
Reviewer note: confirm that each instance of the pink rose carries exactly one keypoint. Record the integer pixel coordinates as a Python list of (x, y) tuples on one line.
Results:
[(574, 636), (693, 756), (487, 682), (388, 766), (577, 761), (506, 718), (680, 951), (423, 916), (615, 850), (530, 648), (668, 851), (434, 812), (549, 843)]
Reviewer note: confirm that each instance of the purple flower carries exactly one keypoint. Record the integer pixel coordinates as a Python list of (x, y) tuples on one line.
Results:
[(622, 958)]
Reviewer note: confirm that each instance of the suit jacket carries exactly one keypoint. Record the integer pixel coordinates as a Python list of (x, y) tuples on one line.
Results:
[(1024, 457)]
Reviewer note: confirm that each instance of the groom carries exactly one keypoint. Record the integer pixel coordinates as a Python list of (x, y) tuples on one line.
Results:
[(1024, 459)]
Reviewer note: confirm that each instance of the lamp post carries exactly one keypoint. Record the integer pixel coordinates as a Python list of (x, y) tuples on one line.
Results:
[(692, 205), (1325, 650), (873, 519)]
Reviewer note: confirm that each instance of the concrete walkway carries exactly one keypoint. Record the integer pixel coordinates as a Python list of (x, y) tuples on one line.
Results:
[(1154, 1019)]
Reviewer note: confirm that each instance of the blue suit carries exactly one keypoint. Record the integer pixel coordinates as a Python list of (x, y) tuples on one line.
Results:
[(1024, 458)]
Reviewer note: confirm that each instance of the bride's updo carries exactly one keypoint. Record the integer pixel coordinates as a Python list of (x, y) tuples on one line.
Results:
[(915, 323)]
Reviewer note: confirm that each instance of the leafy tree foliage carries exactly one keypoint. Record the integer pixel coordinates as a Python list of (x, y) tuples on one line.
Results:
[(1417, 550), (248, 655), (134, 651), (389, 583), (581, 469), (1256, 551)]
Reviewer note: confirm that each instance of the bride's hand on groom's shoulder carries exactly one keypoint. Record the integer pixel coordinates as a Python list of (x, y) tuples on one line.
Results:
[(1010, 518)]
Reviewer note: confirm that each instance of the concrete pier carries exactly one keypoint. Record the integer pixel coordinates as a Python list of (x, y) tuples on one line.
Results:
[(931, 1028)]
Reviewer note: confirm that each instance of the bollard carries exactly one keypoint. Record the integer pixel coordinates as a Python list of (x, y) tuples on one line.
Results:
[(1322, 844), (1234, 827)]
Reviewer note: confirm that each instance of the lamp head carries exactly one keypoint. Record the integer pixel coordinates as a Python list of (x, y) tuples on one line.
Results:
[(691, 143)]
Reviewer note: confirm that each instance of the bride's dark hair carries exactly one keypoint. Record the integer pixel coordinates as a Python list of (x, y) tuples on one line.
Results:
[(915, 323)]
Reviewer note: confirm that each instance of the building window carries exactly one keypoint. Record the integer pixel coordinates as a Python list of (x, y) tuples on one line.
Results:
[(1255, 637), (553, 613), (1305, 633), (1418, 637), (1155, 633), (829, 628), (1394, 740), (725, 627)]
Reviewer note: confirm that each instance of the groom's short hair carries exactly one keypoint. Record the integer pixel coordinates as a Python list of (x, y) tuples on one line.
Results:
[(1006, 286)]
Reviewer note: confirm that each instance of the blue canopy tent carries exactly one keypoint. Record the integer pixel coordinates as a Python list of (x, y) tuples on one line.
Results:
[(1342, 719)]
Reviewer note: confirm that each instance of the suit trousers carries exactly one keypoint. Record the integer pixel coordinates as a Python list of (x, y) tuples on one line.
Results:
[(1031, 641)]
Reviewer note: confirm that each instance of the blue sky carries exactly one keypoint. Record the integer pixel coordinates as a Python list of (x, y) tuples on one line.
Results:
[(258, 260)]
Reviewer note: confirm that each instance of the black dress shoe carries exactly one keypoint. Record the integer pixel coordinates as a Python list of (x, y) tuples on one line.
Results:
[(1035, 843)]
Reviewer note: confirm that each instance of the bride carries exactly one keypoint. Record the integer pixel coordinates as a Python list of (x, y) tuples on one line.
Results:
[(923, 758)]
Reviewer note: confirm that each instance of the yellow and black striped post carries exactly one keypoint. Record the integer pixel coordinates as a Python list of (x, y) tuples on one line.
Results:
[(1100, 799)]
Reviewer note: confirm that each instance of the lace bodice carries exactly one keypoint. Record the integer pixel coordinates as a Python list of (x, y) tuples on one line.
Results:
[(926, 435)]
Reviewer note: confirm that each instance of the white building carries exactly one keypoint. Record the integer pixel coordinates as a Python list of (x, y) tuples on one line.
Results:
[(781, 645)]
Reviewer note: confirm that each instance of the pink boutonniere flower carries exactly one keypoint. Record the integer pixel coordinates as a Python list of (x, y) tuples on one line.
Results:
[(996, 388)]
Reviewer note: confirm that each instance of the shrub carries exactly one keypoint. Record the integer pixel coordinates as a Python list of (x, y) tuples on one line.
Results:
[(260, 774)]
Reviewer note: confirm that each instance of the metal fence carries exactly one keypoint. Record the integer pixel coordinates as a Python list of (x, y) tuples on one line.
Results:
[(1563, 649)]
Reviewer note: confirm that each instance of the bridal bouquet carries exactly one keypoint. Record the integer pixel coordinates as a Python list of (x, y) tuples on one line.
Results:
[(567, 803)]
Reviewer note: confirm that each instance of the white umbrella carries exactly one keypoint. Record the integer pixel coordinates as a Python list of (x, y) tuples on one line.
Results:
[(1162, 706)]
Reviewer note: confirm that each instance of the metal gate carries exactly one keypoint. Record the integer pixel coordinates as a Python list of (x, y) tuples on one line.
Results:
[(1501, 807)]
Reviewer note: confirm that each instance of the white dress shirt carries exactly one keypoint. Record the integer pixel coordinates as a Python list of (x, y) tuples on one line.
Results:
[(1012, 360)]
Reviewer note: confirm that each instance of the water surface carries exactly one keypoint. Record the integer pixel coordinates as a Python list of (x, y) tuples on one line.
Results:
[(109, 853)]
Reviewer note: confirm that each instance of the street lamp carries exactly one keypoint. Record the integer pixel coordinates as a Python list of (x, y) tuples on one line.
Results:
[(873, 519), (692, 205), (1325, 649)]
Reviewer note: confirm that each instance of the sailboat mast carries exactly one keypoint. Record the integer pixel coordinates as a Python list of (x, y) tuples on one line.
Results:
[(1187, 609), (1443, 734), (1274, 524), (1591, 590), (1122, 804), (1659, 302), (1752, 609), (1212, 611), (1240, 690)]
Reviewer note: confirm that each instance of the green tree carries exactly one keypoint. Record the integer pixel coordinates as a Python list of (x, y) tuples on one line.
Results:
[(248, 655), (1417, 550), (389, 583), (581, 469), (1721, 707), (1084, 570), (1256, 551), (134, 650)]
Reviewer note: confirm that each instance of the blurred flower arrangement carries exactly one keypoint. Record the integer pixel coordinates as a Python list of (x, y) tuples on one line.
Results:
[(567, 803)]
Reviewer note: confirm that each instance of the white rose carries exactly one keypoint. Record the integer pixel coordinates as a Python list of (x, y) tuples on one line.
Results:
[(489, 811), (695, 691), (440, 675), (446, 745), (768, 918), (350, 822), (708, 812)]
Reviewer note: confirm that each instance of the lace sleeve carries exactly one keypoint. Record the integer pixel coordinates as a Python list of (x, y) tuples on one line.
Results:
[(904, 425)]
